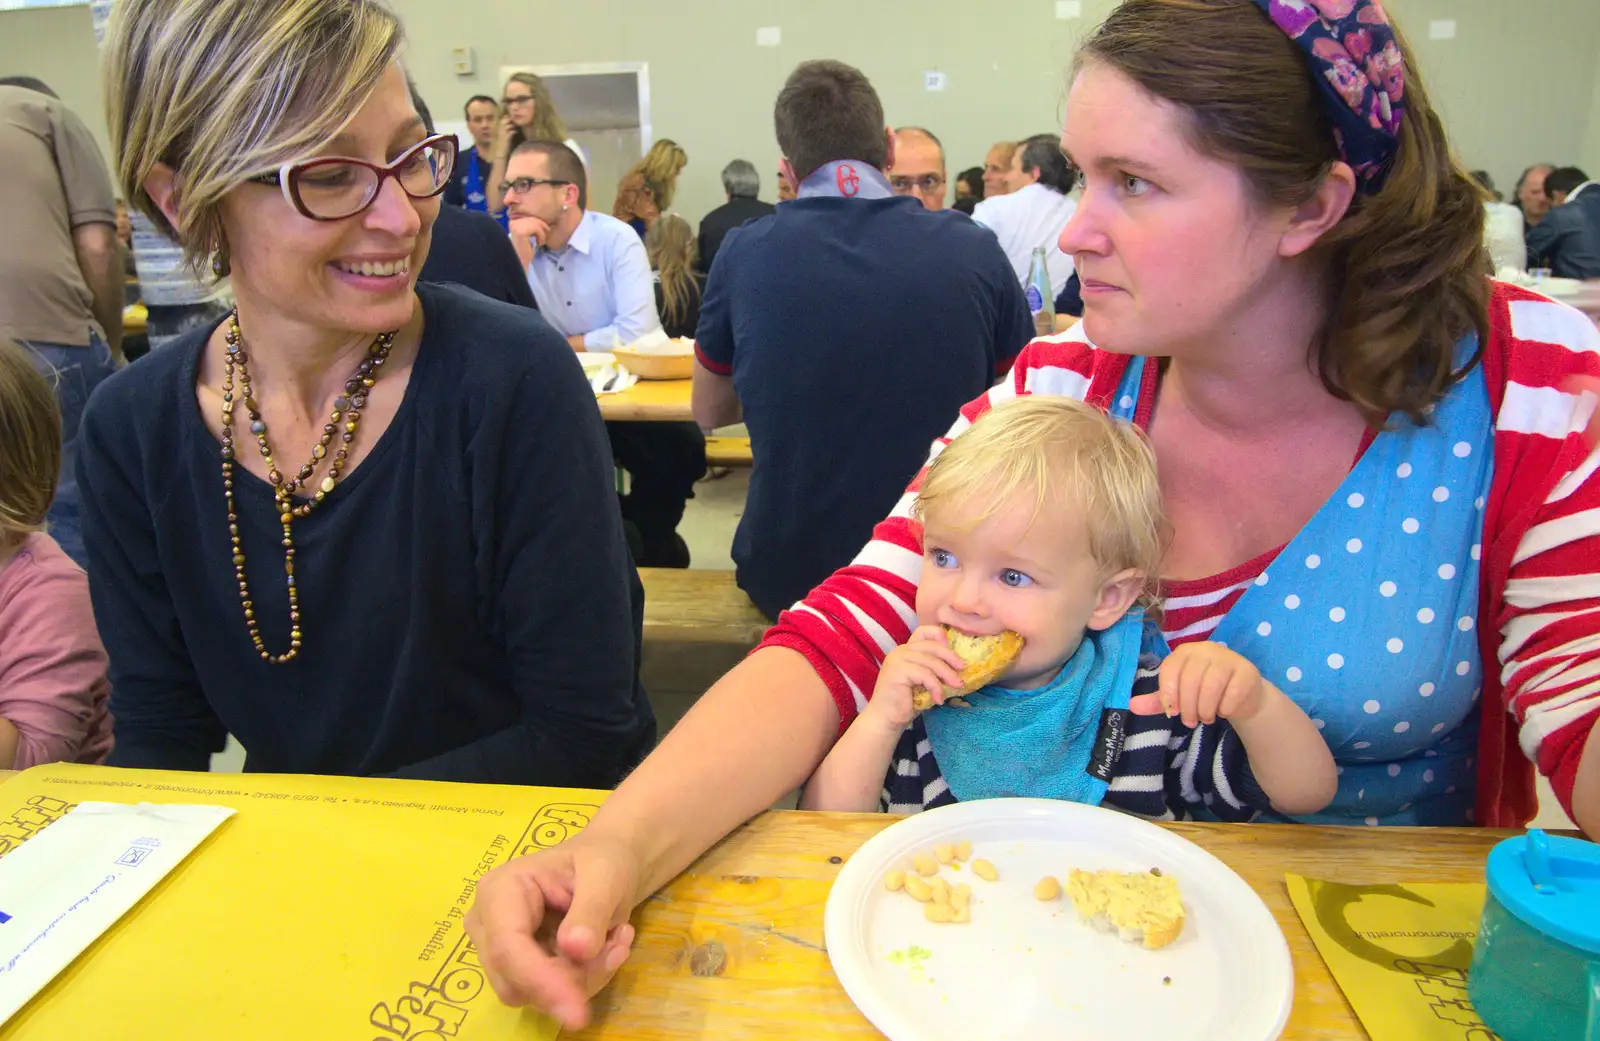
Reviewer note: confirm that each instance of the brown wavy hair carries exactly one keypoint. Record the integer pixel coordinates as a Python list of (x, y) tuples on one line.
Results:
[(1405, 268), (30, 443), (670, 244)]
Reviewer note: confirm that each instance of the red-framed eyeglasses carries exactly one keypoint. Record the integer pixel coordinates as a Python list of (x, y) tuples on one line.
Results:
[(333, 187)]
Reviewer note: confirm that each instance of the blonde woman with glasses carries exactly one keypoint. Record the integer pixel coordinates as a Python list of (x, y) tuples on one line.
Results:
[(365, 525)]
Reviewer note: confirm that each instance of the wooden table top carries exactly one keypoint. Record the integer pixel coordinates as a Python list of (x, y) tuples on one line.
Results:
[(734, 950), (652, 400)]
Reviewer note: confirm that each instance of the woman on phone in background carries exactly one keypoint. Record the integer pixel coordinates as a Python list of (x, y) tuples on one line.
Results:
[(527, 114)]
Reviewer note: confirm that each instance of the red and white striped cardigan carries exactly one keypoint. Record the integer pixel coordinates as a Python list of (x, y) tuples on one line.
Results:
[(1540, 579)]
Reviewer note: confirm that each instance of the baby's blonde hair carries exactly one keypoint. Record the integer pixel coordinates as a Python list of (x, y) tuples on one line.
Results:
[(1064, 453)]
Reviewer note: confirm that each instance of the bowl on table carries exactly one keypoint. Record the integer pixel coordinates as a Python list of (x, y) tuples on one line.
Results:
[(659, 360)]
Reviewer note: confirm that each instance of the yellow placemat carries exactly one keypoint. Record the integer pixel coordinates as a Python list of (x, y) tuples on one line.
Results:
[(1399, 952), (327, 907)]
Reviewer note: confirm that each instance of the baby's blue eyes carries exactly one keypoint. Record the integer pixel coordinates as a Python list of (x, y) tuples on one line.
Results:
[(944, 560)]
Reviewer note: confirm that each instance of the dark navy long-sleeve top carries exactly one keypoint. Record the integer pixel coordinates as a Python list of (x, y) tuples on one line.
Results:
[(469, 609)]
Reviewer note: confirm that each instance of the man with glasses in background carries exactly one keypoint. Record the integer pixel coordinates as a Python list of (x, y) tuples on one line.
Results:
[(918, 168), (1033, 213), (591, 277)]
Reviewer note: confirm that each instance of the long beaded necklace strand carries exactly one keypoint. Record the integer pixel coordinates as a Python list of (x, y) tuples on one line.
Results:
[(346, 410)]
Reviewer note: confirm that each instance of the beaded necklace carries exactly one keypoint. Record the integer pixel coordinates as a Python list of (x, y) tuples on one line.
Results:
[(346, 411)]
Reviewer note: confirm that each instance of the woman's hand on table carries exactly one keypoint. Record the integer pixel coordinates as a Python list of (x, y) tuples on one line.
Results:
[(551, 929)]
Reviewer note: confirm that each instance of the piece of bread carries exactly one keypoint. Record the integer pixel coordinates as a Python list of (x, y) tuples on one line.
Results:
[(987, 658), (1143, 907)]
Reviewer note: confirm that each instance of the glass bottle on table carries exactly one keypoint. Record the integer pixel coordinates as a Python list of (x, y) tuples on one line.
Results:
[(1041, 300)]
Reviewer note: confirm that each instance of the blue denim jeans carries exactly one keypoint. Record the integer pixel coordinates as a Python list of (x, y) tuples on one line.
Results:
[(75, 372)]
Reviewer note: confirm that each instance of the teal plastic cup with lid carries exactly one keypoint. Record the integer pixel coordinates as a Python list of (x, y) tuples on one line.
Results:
[(1536, 968)]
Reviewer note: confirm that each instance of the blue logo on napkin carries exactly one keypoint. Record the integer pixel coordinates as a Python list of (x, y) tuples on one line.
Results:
[(4, 918), (136, 853)]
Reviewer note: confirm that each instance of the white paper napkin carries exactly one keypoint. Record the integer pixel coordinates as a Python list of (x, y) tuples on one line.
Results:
[(71, 882), (609, 379)]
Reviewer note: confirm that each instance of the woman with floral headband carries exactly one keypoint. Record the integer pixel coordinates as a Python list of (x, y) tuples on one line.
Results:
[(1372, 458)]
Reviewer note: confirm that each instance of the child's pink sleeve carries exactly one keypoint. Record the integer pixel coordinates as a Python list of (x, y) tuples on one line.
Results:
[(53, 685)]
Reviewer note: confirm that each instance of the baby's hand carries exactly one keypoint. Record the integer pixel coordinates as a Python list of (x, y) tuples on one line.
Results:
[(925, 660), (1203, 682)]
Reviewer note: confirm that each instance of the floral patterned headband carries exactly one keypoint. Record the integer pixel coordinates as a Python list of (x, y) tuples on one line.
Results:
[(1355, 59)]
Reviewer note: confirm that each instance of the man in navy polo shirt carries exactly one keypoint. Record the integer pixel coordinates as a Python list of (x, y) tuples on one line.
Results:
[(848, 328)]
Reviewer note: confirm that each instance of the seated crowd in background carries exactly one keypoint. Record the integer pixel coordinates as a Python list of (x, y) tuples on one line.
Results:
[(1567, 240), (1035, 209)]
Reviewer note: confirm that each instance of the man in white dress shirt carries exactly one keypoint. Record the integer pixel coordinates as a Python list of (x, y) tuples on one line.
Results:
[(1035, 211), (588, 270), (592, 279)]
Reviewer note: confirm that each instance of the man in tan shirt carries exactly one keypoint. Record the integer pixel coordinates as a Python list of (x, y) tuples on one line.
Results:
[(60, 271)]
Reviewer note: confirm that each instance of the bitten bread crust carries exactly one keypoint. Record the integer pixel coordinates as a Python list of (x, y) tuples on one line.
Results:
[(987, 658)]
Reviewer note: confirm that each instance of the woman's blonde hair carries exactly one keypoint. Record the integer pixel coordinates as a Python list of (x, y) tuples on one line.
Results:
[(1065, 454), (30, 442), (225, 90), (670, 243), (547, 124), (1405, 269), (660, 168)]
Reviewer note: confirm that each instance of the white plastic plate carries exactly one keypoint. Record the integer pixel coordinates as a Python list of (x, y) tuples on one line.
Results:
[(1022, 969)]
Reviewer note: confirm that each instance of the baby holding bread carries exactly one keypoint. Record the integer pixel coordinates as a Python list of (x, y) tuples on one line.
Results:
[(1035, 670)]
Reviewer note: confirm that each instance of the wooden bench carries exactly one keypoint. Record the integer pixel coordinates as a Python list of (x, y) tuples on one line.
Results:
[(728, 451), (698, 606)]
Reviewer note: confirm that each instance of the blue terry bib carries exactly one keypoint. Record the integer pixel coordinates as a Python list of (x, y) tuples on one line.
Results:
[(1038, 743)]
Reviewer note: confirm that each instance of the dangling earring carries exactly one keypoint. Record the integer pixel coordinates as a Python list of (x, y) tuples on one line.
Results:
[(219, 264)]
